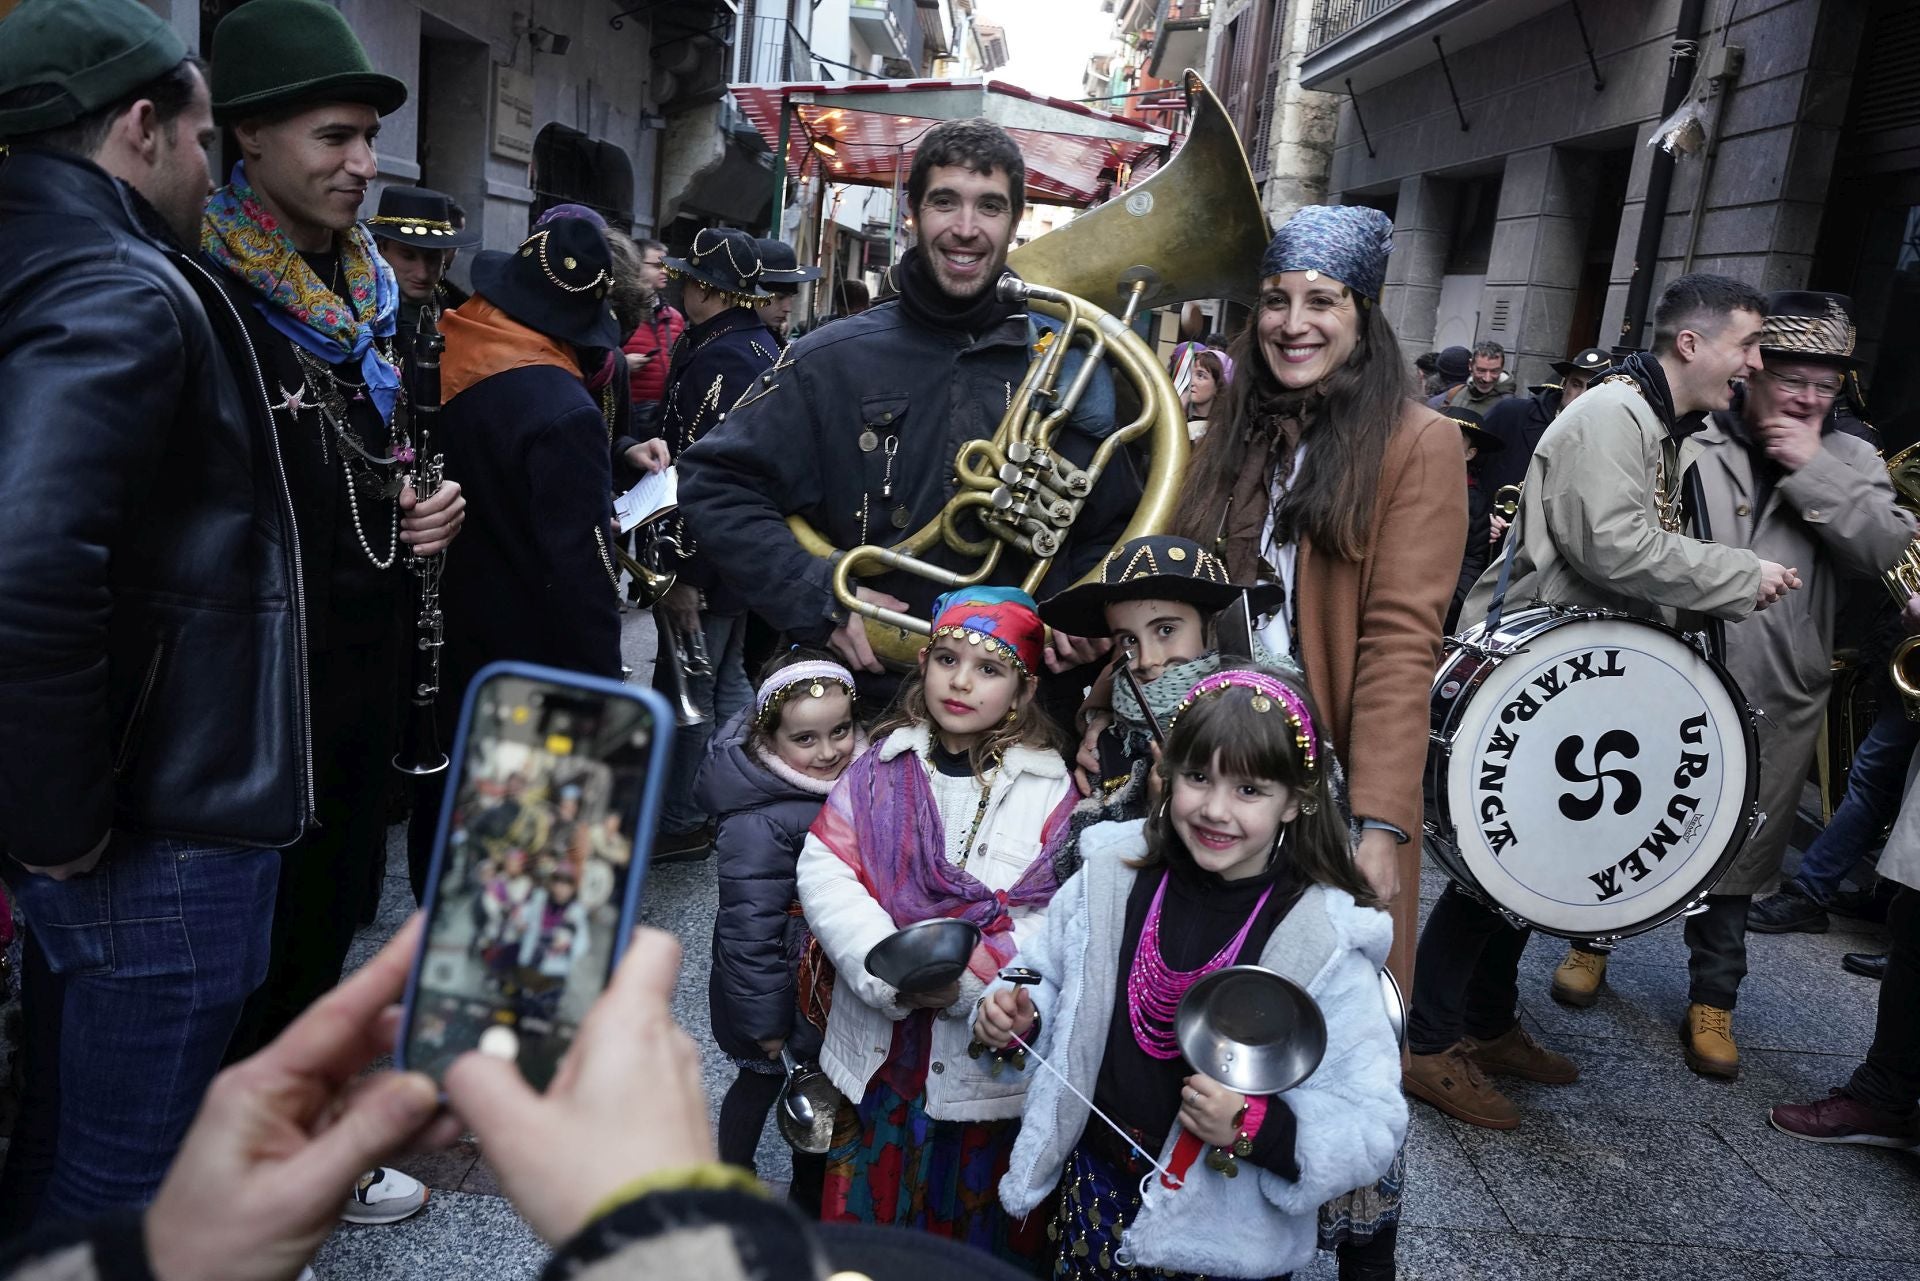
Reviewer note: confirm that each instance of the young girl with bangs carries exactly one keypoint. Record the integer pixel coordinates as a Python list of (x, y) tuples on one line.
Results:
[(764, 779), (1244, 861), (960, 810)]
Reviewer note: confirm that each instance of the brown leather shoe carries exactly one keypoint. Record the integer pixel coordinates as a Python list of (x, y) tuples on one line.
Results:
[(1706, 1036), (1577, 980), (1516, 1053), (1450, 1081)]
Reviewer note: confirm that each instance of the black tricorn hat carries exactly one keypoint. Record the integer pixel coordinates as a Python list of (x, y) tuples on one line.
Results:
[(1156, 567), (1804, 324), (726, 259), (555, 283), (779, 265), (1471, 427), (1588, 362), (419, 217)]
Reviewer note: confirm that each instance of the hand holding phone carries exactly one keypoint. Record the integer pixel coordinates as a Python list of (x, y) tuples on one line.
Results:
[(551, 803), (628, 1101)]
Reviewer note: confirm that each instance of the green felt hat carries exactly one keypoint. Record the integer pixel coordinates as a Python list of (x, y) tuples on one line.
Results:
[(271, 54), (87, 54)]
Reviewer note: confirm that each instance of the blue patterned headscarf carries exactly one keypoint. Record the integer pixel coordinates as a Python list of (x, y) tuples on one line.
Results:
[(1348, 242)]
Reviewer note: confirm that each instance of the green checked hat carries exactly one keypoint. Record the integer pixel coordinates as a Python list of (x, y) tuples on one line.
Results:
[(272, 54), (85, 54)]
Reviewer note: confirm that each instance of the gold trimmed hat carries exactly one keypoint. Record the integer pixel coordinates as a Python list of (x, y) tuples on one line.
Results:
[(726, 259), (1805, 324), (1156, 567), (420, 217)]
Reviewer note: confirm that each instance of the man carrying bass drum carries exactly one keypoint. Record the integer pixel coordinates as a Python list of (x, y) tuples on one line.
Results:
[(1599, 528)]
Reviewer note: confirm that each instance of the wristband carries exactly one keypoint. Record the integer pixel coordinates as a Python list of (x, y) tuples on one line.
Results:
[(1251, 1117)]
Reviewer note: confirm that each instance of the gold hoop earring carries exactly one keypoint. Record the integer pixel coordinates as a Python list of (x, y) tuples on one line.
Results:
[(1013, 714)]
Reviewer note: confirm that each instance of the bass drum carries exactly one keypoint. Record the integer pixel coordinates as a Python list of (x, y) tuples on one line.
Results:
[(1592, 774)]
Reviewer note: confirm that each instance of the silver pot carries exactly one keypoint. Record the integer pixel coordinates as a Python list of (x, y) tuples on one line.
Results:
[(806, 1107), (925, 956), (1396, 1002), (1250, 1029)]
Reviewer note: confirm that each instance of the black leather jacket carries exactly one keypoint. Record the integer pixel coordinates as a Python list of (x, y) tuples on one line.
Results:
[(152, 659)]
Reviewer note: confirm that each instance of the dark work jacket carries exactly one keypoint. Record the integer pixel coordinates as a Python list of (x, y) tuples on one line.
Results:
[(813, 439), (528, 577), (714, 363), (1478, 552), (762, 818), (1519, 421), (152, 669)]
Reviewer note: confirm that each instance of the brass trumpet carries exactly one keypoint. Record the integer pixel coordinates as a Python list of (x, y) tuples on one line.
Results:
[(1506, 501), (687, 657), (1903, 580)]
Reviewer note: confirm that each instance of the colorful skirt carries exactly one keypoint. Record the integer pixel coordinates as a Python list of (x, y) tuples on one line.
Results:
[(894, 1165), (1095, 1203), (1358, 1215)]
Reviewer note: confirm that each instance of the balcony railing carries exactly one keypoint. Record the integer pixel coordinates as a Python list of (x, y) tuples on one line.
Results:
[(1334, 18)]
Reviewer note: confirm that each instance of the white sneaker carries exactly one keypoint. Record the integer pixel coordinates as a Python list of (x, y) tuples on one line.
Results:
[(384, 1195)]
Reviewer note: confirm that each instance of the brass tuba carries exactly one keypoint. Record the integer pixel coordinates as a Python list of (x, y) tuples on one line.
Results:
[(1903, 579), (1194, 230)]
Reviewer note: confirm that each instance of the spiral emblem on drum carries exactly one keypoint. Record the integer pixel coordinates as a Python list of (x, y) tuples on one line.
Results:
[(1597, 776)]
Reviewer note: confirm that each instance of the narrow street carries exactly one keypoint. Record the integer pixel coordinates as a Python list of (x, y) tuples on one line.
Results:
[(1641, 1171)]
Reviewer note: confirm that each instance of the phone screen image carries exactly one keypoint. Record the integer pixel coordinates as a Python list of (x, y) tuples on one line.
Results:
[(525, 912)]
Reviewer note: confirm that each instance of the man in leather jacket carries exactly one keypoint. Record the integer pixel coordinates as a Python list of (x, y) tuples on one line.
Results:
[(152, 753), (858, 425)]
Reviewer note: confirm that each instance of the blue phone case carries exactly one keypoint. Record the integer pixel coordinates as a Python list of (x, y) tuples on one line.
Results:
[(643, 822)]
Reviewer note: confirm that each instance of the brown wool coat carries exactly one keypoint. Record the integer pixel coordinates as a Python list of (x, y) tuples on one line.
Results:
[(1369, 630)]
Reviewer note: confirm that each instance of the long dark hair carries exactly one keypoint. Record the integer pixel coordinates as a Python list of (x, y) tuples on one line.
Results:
[(1348, 418), (1227, 728)]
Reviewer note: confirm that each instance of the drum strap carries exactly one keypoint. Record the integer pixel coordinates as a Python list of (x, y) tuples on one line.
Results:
[(1499, 601), (1696, 507)]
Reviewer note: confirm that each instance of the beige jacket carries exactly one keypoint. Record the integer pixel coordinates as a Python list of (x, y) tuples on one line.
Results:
[(1589, 525), (1834, 519)]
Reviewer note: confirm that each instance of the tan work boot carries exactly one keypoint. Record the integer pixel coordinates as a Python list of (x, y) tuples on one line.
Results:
[(1451, 1082), (1578, 980), (1707, 1037), (1516, 1053)]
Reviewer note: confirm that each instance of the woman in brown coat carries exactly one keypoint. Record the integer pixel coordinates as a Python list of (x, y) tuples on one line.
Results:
[(1323, 473)]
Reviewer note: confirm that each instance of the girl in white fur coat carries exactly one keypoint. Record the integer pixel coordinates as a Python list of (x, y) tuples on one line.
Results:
[(1243, 861)]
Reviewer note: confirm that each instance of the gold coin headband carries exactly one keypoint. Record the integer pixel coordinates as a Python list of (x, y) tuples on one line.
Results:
[(813, 677), (992, 644), (1267, 694)]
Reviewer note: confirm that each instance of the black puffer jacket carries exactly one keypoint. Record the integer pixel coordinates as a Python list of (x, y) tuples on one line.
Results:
[(764, 809), (152, 662)]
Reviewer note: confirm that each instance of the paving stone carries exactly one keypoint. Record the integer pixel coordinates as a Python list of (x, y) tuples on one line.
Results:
[(1648, 1080), (1630, 1179), (1447, 1254), (456, 1238), (445, 1170), (1863, 1202), (1624, 1261), (1443, 1189)]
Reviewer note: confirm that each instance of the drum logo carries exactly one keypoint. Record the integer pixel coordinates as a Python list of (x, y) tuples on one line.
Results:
[(1561, 782)]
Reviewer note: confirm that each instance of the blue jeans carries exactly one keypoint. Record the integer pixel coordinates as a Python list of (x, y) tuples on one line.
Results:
[(1875, 782), (135, 976), (719, 696)]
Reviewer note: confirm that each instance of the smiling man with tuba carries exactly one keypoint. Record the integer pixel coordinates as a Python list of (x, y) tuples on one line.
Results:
[(859, 427)]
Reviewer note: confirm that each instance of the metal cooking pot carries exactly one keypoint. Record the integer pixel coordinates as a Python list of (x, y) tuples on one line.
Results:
[(806, 1107), (1250, 1029), (925, 956), (1396, 1006)]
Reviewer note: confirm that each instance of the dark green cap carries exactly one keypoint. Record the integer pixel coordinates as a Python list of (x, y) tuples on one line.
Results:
[(273, 54), (88, 53)]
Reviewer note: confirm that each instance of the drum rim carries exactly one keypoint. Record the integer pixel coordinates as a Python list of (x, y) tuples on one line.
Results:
[(1515, 630)]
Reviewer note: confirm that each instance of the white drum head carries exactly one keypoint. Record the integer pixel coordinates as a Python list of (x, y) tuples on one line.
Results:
[(1597, 777)]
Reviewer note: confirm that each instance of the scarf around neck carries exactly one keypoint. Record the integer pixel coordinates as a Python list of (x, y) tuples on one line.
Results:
[(923, 299), (239, 233), (483, 341), (1165, 691), (881, 821)]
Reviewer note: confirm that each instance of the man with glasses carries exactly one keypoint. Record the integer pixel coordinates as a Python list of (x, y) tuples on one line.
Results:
[(1778, 479), (649, 346)]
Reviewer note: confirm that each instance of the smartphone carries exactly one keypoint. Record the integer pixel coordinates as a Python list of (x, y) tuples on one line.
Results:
[(552, 797)]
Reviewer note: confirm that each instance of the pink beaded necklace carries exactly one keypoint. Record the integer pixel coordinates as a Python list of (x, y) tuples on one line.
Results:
[(1154, 988)]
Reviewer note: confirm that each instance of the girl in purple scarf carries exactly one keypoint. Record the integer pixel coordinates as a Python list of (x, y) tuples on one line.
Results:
[(959, 811)]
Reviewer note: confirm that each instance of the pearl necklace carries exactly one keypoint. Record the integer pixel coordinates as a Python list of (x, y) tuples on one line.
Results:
[(1154, 988)]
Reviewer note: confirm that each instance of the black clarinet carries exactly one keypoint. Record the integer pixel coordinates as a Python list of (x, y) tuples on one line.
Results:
[(420, 752)]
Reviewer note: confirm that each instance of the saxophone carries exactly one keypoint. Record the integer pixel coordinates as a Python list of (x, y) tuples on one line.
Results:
[(420, 752)]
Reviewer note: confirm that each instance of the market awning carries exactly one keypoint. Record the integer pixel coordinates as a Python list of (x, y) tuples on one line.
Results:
[(864, 132)]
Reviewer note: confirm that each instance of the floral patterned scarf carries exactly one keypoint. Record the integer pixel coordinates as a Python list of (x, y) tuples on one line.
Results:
[(238, 233)]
